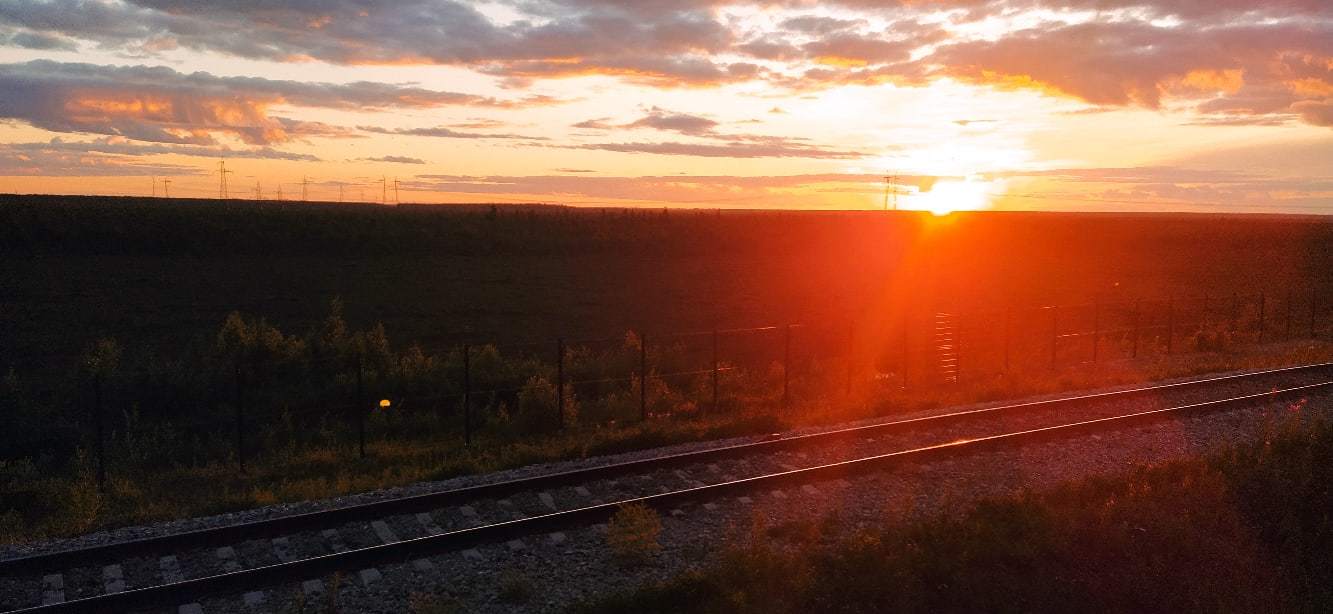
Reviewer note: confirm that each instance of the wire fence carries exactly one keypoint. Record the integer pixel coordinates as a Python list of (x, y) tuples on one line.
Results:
[(252, 407)]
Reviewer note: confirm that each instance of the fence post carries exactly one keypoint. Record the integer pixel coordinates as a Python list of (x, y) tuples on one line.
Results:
[(1096, 329), (1263, 309), (1290, 298), (100, 432), (786, 367), (1314, 299), (1170, 325), (1235, 312), (958, 348), (906, 349), (643, 377), (467, 394), (240, 418), (847, 385), (1138, 315), (1055, 333), (560, 382), (360, 407), (713, 407), (1008, 315)]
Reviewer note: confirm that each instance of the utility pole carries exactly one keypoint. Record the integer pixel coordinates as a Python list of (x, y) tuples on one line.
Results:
[(222, 179), (340, 192), (155, 187), (305, 183), (166, 188), (384, 190), (279, 191)]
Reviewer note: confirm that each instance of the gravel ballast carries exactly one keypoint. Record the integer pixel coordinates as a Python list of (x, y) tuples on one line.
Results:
[(577, 564)]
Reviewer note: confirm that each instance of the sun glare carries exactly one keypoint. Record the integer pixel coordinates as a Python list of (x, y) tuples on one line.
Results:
[(949, 196)]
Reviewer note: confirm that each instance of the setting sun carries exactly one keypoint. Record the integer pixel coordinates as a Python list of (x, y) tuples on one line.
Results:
[(946, 197)]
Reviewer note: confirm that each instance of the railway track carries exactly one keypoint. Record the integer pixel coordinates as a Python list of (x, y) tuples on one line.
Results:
[(176, 571)]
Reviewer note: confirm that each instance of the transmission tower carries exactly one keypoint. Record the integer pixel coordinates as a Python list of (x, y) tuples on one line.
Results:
[(305, 183), (384, 190), (166, 188), (154, 187), (891, 186), (222, 179), (259, 193), (279, 191), (396, 199), (340, 191)]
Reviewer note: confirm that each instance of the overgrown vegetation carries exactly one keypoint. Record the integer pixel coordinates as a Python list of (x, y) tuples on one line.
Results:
[(1243, 531), (171, 433)]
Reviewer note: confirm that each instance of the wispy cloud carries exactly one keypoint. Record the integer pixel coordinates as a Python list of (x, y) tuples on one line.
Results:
[(442, 132), (162, 105), (396, 160)]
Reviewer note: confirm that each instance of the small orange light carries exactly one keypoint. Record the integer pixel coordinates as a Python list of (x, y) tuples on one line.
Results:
[(384, 404)]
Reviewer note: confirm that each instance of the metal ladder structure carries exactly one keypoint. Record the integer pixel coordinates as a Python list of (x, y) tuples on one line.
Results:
[(945, 344)]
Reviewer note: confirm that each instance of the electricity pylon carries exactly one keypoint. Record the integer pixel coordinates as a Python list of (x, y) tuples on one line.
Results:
[(222, 179), (396, 199), (305, 182), (890, 185), (384, 190), (154, 187), (259, 193), (166, 188)]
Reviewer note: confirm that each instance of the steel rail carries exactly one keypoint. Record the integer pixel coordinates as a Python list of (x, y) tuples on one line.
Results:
[(191, 590), (284, 525)]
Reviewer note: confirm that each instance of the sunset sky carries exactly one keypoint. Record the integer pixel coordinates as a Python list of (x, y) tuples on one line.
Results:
[(1124, 105)]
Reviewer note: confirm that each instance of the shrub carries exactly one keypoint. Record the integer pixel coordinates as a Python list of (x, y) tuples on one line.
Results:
[(632, 534)]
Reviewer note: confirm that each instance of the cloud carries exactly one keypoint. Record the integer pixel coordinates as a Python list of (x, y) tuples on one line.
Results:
[(61, 160), (441, 132), (667, 44), (1235, 68), (162, 105), (1230, 57), (684, 123), (396, 160), (766, 147), (658, 119), (123, 147)]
